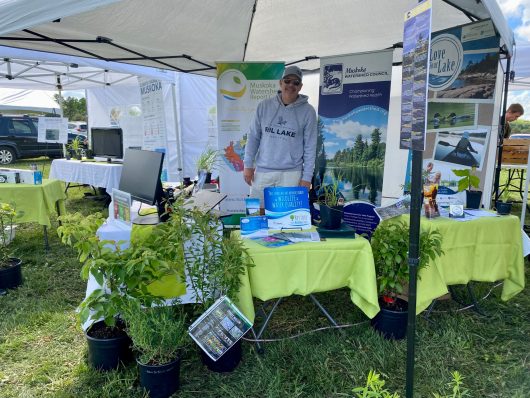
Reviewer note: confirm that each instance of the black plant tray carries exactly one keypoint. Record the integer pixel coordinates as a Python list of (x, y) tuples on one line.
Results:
[(345, 231)]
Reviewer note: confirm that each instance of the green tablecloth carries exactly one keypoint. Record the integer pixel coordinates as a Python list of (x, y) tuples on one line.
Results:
[(484, 250), (310, 267), (36, 201)]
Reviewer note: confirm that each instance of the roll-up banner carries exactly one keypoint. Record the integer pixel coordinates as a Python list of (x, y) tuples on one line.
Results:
[(352, 126), (240, 88)]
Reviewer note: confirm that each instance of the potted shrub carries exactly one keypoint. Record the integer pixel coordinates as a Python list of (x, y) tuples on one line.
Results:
[(504, 205), (331, 205), (158, 333), (10, 267), (390, 246), (467, 182), (215, 265), (75, 148), (122, 272), (207, 162)]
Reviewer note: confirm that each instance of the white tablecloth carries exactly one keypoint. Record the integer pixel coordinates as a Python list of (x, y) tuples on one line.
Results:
[(104, 175)]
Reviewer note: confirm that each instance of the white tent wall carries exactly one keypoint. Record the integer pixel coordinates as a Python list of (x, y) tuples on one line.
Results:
[(101, 101), (196, 97), (29, 100)]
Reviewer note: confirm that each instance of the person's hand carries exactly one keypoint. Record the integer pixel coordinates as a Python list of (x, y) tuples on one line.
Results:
[(304, 183), (248, 175)]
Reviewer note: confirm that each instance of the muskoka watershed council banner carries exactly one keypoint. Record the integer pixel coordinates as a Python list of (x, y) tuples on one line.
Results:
[(353, 118), (240, 88)]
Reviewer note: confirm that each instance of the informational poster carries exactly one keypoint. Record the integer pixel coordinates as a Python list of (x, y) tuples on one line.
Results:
[(353, 118), (462, 78), (362, 217), (416, 46), (219, 328), (121, 202), (155, 135), (287, 207), (240, 88), (53, 130)]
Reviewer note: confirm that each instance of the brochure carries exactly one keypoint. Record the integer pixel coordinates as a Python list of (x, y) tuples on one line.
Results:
[(219, 328), (252, 206), (253, 227), (299, 236), (272, 241)]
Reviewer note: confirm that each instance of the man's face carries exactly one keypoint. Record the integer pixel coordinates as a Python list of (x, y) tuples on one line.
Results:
[(512, 116), (290, 86)]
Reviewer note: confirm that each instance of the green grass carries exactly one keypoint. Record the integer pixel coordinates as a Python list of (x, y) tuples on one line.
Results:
[(43, 352)]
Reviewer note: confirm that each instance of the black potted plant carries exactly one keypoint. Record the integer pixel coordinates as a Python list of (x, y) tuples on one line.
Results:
[(390, 246), (10, 267), (158, 333), (331, 205), (215, 265), (207, 162), (467, 182), (504, 205), (121, 272), (75, 147)]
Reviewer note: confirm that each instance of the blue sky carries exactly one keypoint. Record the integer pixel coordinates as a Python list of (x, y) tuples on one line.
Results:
[(517, 13)]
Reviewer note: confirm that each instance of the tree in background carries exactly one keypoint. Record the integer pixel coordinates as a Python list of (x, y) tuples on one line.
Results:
[(520, 126), (73, 108)]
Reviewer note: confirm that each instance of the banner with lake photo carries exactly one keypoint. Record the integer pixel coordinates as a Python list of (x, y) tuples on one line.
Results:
[(352, 124), (240, 87)]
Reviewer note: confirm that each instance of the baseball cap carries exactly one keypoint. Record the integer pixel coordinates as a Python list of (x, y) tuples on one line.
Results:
[(292, 70)]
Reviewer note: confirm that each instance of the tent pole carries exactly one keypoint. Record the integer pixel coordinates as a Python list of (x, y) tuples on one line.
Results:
[(502, 125), (180, 166)]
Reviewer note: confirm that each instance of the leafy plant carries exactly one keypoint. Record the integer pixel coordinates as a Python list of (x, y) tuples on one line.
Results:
[(505, 196), (374, 388), (158, 332), (469, 179), (214, 263), (75, 146), (456, 387), (122, 272), (7, 216), (390, 247), (330, 195), (208, 160)]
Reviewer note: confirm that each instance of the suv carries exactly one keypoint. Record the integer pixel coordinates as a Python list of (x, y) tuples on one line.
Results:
[(78, 128), (18, 139)]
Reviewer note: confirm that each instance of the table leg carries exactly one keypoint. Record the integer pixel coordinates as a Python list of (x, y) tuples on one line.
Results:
[(259, 347), (46, 245), (324, 311), (473, 304)]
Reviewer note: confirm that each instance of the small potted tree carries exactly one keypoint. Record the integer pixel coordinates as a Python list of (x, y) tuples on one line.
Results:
[(504, 205), (121, 272), (75, 147), (331, 205), (390, 246), (158, 333), (10, 267), (215, 265), (206, 163), (467, 182)]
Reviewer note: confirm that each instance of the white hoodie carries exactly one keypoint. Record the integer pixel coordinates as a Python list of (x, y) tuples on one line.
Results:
[(283, 138)]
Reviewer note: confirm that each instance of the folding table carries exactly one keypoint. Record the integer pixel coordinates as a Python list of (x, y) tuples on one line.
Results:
[(310, 267)]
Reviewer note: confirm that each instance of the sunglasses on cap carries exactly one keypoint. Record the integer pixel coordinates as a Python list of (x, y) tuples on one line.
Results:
[(292, 81)]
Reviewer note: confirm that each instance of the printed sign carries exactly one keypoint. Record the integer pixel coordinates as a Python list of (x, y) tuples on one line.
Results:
[(53, 130), (287, 207), (362, 217), (219, 328), (122, 206), (253, 227)]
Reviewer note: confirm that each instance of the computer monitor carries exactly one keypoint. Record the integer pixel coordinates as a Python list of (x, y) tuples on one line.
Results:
[(107, 142), (140, 176)]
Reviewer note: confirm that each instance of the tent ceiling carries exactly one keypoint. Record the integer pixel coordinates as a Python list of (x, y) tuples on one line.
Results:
[(28, 69), (193, 35)]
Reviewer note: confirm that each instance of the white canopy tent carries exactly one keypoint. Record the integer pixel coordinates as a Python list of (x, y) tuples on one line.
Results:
[(191, 36), (521, 68), (29, 80)]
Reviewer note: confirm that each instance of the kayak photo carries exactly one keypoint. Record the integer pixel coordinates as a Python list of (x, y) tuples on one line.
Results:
[(464, 147)]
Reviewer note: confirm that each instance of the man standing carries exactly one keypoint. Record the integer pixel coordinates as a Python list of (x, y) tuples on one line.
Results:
[(514, 112), (281, 144)]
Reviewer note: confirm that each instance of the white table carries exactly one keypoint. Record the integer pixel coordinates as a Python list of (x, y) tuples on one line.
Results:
[(97, 174)]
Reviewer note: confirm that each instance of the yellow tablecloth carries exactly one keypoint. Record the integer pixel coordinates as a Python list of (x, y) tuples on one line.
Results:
[(485, 250), (310, 267), (36, 201)]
